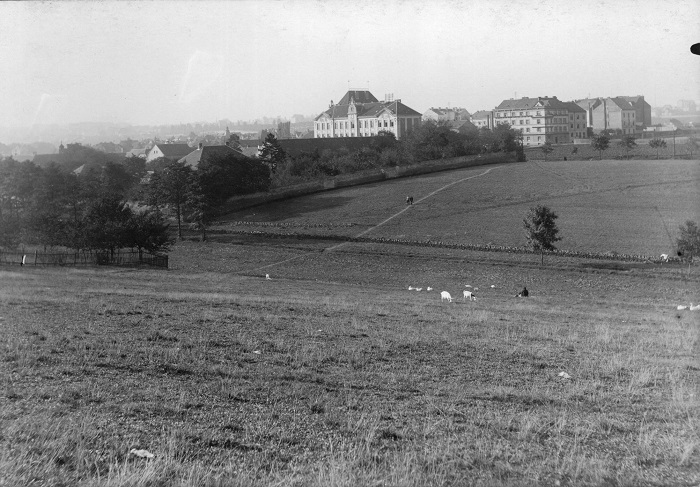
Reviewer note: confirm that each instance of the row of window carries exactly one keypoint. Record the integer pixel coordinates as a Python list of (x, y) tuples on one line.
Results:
[(351, 125)]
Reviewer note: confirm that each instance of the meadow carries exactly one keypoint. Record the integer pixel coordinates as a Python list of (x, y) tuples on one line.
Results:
[(333, 373), (630, 207)]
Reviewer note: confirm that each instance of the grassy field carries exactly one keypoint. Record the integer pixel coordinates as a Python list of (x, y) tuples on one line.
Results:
[(333, 373), (630, 207)]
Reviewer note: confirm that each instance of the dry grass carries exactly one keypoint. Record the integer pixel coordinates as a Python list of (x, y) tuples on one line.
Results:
[(356, 382)]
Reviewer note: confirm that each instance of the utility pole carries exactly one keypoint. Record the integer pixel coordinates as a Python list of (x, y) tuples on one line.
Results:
[(674, 142)]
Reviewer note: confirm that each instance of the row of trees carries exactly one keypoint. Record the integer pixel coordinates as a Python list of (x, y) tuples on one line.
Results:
[(107, 208), (432, 140)]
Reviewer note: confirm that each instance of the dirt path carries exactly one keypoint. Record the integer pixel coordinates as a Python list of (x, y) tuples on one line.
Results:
[(328, 249)]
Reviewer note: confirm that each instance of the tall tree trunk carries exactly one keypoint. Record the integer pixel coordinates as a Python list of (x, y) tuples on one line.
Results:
[(179, 220)]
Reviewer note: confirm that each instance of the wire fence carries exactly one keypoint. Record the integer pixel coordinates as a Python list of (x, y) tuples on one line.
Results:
[(116, 258)]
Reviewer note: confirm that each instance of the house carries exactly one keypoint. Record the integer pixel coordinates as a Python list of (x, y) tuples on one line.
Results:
[(141, 153), (642, 110), (482, 118), (250, 147), (445, 114), (462, 126), (360, 114), (88, 167), (173, 152), (206, 152), (539, 120), (615, 114)]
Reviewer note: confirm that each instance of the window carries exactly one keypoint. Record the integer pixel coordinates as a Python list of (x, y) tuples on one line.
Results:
[(527, 121), (527, 129), (539, 129), (528, 139), (539, 138), (521, 122), (539, 121), (521, 114)]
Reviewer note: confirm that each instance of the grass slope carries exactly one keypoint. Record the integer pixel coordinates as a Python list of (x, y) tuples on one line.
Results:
[(632, 207), (334, 374)]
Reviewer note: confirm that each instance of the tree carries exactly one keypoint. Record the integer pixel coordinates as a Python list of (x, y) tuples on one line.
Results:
[(688, 243), (628, 142), (106, 224), (546, 149), (600, 143), (271, 152), (541, 229), (692, 146), (148, 230), (169, 187), (657, 144)]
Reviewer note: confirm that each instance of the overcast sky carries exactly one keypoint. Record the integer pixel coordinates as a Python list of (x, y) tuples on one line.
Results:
[(177, 61)]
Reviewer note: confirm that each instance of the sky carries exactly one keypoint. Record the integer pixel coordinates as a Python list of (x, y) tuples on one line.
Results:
[(166, 62)]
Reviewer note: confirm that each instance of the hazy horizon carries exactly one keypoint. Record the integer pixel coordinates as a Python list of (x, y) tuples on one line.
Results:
[(170, 62)]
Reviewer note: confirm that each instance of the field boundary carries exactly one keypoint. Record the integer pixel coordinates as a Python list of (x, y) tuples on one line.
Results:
[(363, 177), (445, 245), (118, 258)]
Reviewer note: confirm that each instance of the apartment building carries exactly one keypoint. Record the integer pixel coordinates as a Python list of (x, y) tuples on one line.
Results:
[(539, 120), (616, 114)]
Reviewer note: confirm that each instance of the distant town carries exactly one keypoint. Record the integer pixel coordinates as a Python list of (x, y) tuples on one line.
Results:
[(539, 120)]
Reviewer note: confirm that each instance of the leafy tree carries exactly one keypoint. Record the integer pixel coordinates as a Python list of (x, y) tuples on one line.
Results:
[(692, 145), (271, 151), (657, 144), (546, 149), (105, 225), (628, 142), (541, 229), (600, 143), (169, 187), (688, 243), (148, 230)]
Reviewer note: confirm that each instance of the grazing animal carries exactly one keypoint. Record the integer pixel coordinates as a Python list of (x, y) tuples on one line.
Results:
[(694, 308), (493, 287), (524, 293), (141, 453), (24, 261), (429, 288), (445, 296), (680, 307), (409, 200), (469, 295), (664, 257), (267, 276), (419, 289), (564, 375), (467, 285), (411, 288)]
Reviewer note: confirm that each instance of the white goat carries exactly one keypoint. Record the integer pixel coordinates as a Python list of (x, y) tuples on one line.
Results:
[(664, 257), (469, 295), (429, 288), (411, 288), (419, 289), (680, 307), (694, 308), (267, 276), (445, 296)]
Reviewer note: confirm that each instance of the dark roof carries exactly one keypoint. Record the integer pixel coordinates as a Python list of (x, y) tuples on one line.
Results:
[(527, 103), (174, 150), (370, 110), (360, 96), (481, 114), (90, 166), (462, 125), (634, 100), (46, 159), (195, 157), (622, 103), (573, 107), (136, 152)]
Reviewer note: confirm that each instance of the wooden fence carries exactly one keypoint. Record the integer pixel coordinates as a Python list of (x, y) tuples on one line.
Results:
[(118, 258)]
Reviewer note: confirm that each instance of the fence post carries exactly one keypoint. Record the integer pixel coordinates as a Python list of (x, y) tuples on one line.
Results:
[(36, 255)]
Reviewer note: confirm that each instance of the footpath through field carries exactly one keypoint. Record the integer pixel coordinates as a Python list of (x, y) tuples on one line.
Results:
[(361, 234)]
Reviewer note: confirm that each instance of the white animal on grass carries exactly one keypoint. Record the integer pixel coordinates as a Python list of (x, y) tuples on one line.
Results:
[(267, 276), (564, 375), (429, 288), (411, 288), (493, 287), (664, 257), (141, 453), (694, 308), (445, 296), (467, 285), (469, 295), (419, 289), (681, 307)]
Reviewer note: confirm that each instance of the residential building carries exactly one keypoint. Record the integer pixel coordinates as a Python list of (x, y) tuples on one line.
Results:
[(173, 152), (539, 120), (207, 152), (482, 119), (616, 114), (642, 111), (360, 114), (577, 121), (445, 114)]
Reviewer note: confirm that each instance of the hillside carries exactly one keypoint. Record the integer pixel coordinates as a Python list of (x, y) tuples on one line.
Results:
[(603, 206)]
